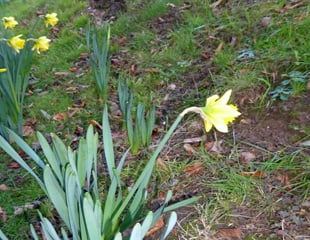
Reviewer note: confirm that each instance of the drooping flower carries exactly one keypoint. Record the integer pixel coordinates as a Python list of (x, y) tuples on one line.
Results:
[(2, 70), (218, 113), (16, 43), (41, 44), (51, 18), (9, 22)]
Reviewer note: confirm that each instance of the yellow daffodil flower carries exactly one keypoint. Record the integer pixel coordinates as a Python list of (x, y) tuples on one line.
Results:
[(17, 43), (217, 112), (41, 44), (9, 22), (2, 70), (51, 18)]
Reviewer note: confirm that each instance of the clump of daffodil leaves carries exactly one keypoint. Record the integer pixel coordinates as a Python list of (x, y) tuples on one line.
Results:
[(67, 182), (16, 42)]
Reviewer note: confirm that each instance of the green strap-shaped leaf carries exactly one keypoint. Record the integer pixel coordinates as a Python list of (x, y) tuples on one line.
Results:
[(64, 234), (56, 194), (150, 124), (82, 161), (26, 148), (33, 233), (50, 156), (72, 198), (60, 149), (109, 207), (136, 233), (10, 151), (171, 223), (2, 236), (93, 231), (49, 229), (147, 223), (181, 204), (118, 236), (107, 142)]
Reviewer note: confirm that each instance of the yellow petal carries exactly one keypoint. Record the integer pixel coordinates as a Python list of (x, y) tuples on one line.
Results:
[(211, 100), (225, 98), (208, 125)]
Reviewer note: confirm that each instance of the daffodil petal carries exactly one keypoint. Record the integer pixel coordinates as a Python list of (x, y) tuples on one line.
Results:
[(211, 100), (220, 125), (225, 98), (208, 125)]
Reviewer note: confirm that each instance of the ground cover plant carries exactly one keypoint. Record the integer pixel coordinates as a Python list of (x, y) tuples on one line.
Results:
[(254, 181)]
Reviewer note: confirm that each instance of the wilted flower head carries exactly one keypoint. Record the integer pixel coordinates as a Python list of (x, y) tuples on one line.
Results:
[(16, 43), (216, 112), (9, 22), (51, 18), (2, 70), (41, 44)]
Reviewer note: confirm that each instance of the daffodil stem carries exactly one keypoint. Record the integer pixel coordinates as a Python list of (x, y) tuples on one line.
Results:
[(191, 109)]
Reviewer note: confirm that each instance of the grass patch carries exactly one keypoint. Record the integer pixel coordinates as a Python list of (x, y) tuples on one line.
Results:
[(199, 51)]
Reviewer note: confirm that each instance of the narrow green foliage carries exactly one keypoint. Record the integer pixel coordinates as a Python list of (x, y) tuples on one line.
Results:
[(140, 132), (98, 42), (13, 85), (82, 211), (125, 96)]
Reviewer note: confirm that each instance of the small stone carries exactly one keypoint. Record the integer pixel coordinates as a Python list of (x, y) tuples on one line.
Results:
[(283, 214), (295, 208)]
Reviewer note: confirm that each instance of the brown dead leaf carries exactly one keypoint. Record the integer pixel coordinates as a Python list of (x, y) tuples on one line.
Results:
[(122, 41), (158, 225), (188, 149), (27, 131), (206, 55), (284, 179), (214, 147), (217, 3), (289, 7), (161, 164), (95, 124), (73, 111), (60, 116), (62, 74), (84, 55), (219, 47), (14, 165), (229, 233), (4, 187), (196, 168), (246, 158), (301, 17), (133, 69), (73, 69), (3, 215), (258, 174)]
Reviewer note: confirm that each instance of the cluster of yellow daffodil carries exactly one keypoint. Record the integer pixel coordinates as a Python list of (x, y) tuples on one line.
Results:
[(17, 43)]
